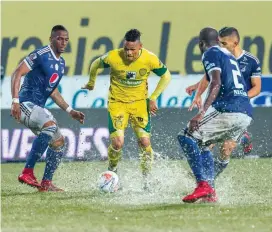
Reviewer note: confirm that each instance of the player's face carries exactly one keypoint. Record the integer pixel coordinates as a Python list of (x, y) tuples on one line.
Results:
[(59, 41), (132, 49), (228, 42)]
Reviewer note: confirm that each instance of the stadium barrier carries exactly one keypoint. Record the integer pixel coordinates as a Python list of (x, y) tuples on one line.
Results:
[(90, 141), (174, 95)]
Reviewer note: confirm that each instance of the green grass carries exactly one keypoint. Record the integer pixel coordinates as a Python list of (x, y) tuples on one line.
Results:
[(244, 190)]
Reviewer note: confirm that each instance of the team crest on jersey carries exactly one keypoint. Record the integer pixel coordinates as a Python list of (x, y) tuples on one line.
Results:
[(33, 56), (142, 71), (53, 79), (131, 75)]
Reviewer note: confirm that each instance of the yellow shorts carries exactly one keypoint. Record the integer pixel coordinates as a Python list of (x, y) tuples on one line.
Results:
[(120, 113)]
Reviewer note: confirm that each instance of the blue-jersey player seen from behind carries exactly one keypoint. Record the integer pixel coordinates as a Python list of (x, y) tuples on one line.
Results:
[(43, 70), (249, 65), (225, 115)]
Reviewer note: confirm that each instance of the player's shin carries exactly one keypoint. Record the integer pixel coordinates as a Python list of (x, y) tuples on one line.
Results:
[(114, 157), (193, 155), (39, 146), (53, 159), (146, 159), (208, 165), (219, 165)]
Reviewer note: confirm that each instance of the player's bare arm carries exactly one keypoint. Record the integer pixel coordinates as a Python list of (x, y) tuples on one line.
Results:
[(58, 99), (211, 96), (202, 86), (163, 83), (95, 68), (16, 76), (256, 87), (190, 89)]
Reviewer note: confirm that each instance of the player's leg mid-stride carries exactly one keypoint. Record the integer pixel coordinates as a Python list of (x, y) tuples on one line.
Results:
[(51, 136)]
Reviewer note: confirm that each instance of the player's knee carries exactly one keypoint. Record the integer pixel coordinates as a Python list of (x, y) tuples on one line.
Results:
[(58, 143), (144, 142), (49, 124), (211, 146), (117, 143), (49, 128), (226, 149)]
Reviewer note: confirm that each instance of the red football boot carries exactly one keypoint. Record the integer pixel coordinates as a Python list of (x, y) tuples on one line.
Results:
[(47, 186), (211, 199), (202, 190), (27, 177)]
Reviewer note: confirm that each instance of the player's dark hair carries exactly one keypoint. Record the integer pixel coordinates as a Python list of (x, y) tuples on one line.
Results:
[(209, 35), (227, 31), (132, 35), (58, 28)]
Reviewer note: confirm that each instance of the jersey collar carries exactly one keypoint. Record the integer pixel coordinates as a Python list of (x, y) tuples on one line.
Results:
[(53, 54), (243, 53)]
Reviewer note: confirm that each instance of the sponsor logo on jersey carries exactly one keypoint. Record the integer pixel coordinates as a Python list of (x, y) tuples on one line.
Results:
[(210, 66), (131, 75), (240, 92), (130, 82), (56, 67), (53, 79)]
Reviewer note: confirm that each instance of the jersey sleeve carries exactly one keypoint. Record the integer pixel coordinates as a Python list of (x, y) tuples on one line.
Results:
[(156, 66), (32, 60), (211, 61), (105, 60), (256, 69)]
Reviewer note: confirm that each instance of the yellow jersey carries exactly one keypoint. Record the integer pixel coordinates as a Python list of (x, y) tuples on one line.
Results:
[(128, 80)]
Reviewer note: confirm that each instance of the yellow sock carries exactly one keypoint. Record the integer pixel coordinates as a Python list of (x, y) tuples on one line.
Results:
[(114, 157), (146, 158)]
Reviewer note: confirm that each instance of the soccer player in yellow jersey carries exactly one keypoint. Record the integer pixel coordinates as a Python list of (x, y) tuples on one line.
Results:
[(128, 95)]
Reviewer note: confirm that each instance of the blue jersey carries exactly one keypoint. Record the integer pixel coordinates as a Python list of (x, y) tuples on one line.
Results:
[(46, 71), (250, 68), (232, 95)]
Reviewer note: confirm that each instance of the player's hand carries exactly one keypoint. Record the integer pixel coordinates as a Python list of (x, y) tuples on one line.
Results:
[(77, 115), (190, 89), (197, 102), (87, 86), (16, 111), (194, 122), (153, 107)]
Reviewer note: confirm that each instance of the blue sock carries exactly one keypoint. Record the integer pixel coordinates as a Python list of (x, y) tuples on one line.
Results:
[(53, 159), (219, 166), (208, 166), (193, 155), (38, 148)]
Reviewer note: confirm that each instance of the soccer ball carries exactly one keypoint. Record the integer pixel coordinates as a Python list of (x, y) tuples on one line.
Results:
[(108, 182)]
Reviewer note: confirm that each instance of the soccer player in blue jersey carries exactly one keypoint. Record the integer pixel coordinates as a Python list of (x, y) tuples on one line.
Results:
[(225, 114), (250, 68), (43, 70)]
